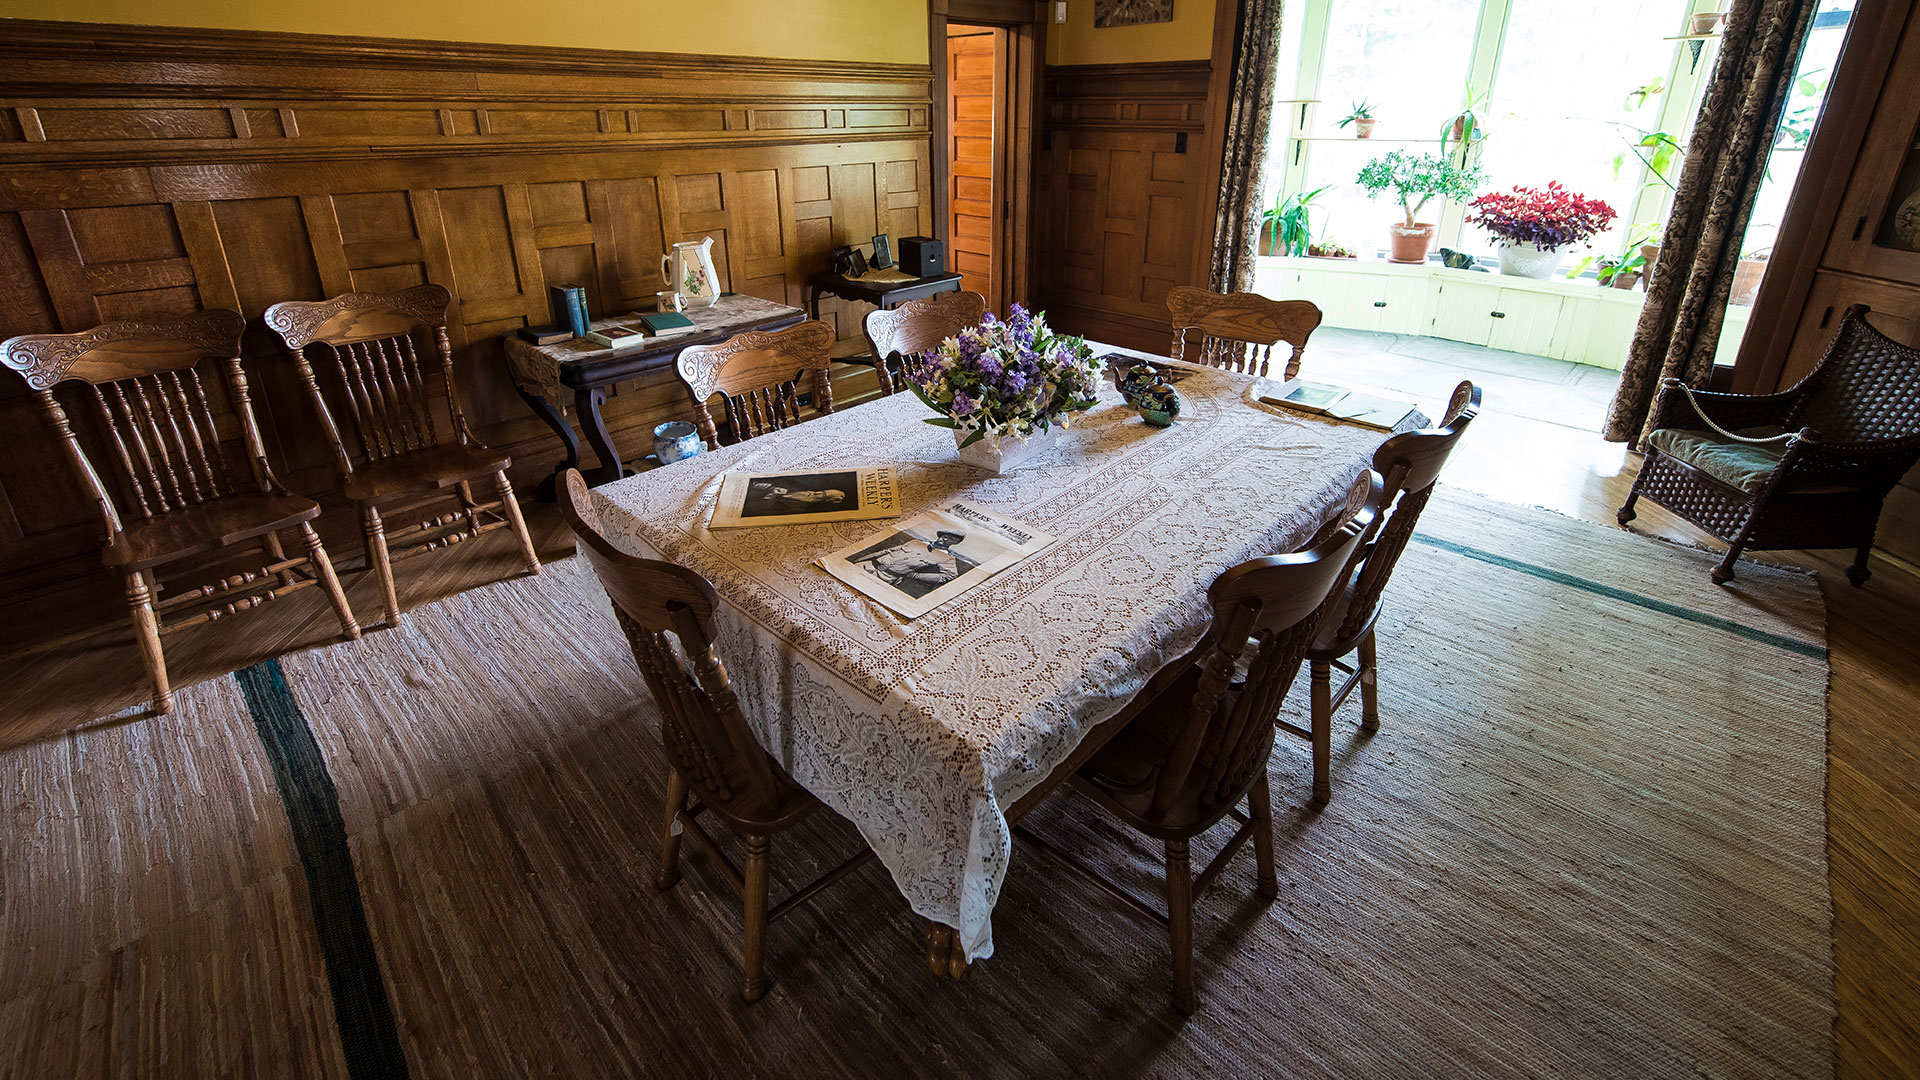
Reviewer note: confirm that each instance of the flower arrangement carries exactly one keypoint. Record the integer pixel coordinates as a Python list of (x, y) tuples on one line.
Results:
[(1550, 217), (1007, 377)]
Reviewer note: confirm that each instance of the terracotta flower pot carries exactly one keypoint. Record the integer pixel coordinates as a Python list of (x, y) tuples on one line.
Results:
[(1270, 241), (1649, 254), (1703, 22), (1363, 128), (1746, 281), (1410, 245), (1627, 280)]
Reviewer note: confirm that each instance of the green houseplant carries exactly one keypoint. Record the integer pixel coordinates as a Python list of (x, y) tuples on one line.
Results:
[(1468, 126), (1361, 118), (1415, 181), (1287, 228)]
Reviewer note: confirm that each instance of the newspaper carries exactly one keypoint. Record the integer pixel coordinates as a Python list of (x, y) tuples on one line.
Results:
[(930, 559), (749, 499), (1340, 403)]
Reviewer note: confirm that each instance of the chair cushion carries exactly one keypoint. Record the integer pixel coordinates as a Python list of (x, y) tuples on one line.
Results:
[(1746, 466), (423, 470)]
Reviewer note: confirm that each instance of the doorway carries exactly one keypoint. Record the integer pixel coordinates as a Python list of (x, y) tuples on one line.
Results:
[(975, 158)]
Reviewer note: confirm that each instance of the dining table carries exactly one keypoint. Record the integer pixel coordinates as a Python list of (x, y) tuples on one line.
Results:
[(933, 735)]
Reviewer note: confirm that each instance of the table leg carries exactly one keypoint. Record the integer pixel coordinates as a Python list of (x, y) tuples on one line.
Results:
[(587, 401), (545, 410), (946, 958)]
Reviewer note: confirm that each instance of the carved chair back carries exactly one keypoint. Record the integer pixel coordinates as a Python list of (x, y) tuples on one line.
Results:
[(1410, 462), (758, 374), (1271, 605), (666, 611), (1238, 331), (150, 411), (374, 369), (1866, 387), (917, 326)]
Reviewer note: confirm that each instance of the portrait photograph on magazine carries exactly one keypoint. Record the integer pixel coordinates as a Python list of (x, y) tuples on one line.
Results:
[(801, 493), (923, 562), (917, 564)]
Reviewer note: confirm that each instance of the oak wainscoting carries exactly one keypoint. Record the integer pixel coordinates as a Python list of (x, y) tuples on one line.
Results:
[(1123, 161), (148, 172)]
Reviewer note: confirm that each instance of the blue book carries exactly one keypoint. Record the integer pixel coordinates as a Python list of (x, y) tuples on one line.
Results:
[(569, 303)]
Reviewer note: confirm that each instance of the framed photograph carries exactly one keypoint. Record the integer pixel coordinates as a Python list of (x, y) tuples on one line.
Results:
[(882, 253), (804, 498), (930, 559), (1131, 12), (843, 259), (857, 264)]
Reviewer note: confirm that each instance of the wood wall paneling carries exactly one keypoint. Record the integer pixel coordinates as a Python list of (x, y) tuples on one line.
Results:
[(150, 172), (1121, 178)]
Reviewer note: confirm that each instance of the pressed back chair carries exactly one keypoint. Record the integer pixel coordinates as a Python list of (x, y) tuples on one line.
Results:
[(900, 336), (378, 353), (1201, 746), (711, 752), (179, 490), (758, 374), (1238, 331), (1410, 462)]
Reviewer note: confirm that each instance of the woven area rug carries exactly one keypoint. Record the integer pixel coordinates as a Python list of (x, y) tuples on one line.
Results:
[(1589, 839)]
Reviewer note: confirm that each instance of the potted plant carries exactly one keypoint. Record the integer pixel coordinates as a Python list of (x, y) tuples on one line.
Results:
[(1362, 120), (1286, 229), (1416, 181), (1703, 22), (1647, 239), (1533, 224), (1330, 250), (1467, 126), (1006, 386)]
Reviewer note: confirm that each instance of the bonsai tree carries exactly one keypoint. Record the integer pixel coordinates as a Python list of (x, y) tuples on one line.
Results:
[(1416, 181)]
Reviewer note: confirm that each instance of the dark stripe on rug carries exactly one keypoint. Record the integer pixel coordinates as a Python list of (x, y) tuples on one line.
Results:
[(1778, 641), (361, 1010)]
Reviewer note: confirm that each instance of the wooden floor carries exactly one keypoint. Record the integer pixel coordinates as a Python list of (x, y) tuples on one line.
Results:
[(1874, 740)]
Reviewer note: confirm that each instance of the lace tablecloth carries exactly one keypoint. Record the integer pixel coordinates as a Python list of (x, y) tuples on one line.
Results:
[(922, 732)]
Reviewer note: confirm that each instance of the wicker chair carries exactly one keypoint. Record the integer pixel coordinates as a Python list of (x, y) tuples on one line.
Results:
[(1804, 468)]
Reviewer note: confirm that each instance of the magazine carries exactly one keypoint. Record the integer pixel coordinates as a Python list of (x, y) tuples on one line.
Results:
[(749, 499), (1340, 403), (930, 559)]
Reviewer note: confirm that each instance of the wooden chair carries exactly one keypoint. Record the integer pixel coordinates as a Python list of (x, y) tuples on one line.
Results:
[(711, 750), (1808, 467), (1410, 463), (899, 337), (1202, 744), (758, 375), (180, 490), (1239, 330), (406, 458)]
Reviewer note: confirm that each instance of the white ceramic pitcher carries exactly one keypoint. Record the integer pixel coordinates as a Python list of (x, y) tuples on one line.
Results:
[(688, 268)]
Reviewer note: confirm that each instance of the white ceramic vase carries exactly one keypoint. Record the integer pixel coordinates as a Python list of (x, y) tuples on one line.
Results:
[(1528, 260), (1001, 453)]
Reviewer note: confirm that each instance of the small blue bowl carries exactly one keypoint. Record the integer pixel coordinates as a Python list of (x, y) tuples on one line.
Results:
[(676, 440)]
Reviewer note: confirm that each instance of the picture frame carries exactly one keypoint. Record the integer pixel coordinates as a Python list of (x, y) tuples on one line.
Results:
[(882, 255)]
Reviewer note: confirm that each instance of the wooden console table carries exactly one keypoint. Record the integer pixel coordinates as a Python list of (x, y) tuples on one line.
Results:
[(544, 374), (881, 294)]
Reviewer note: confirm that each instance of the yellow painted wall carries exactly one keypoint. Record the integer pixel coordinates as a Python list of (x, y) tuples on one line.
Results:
[(1188, 37), (871, 30)]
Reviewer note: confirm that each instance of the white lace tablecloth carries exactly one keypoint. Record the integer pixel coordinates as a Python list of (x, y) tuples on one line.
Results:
[(922, 732)]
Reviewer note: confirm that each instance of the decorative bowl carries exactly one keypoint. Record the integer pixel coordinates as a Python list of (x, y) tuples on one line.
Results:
[(1159, 404), (676, 440)]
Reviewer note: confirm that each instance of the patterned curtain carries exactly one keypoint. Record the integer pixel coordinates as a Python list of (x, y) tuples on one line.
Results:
[(1256, 55), (1725, 162)]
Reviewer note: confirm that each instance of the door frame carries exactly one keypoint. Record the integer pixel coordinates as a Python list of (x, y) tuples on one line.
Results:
[(1025, 69)]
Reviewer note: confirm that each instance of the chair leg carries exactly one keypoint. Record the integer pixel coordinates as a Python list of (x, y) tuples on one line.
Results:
[(276, 553), (323, 566), (1625, 513), (512, 508), (1260, 809), (146, 632), (1858, 572), (376, 539), (669, 875), (1369, 662), (756, 897), (1180, 924), (1724, 572), (1322, 713)]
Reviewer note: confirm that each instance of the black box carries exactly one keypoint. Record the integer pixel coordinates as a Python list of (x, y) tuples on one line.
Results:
[(922, 256)]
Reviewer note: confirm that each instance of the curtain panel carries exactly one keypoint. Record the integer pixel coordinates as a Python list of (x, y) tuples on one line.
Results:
[(1726, 160), (1256, 61)]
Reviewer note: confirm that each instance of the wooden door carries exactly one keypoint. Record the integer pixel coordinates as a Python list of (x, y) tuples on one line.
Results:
[(975, 87)]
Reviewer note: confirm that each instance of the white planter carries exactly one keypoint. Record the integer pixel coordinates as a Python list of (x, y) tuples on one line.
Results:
[(1528, 260), (1001, 453)]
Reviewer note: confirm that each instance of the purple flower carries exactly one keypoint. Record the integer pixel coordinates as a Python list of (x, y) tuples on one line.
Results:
[(964, 404)]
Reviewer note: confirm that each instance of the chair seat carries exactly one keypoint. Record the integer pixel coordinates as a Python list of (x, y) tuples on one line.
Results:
[(1123, 775), (195, 529), (420, 470), (1327, 642), (1744, 466)]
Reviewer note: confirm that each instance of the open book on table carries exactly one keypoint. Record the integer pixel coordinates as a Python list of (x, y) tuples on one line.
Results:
[(924, 562), (1340, 403)]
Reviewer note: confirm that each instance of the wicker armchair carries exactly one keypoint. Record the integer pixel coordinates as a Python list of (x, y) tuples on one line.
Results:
[(1804, 468)]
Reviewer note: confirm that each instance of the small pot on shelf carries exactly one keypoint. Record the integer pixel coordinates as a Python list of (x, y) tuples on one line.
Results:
[(1409, 245), (1626, 280), (1363, 127), (1703, 22), (1649, 254)]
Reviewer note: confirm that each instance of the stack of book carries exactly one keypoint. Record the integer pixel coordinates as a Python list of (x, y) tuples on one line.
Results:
[(664, 324)]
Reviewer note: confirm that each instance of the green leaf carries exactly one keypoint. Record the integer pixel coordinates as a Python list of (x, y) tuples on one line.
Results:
[(938, 421), (978, 434)]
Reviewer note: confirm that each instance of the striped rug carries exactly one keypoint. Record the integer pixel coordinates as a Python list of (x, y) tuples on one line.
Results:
[(1588, 840)]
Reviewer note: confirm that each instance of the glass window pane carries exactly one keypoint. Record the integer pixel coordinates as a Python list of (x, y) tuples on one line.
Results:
[(1570, 94)]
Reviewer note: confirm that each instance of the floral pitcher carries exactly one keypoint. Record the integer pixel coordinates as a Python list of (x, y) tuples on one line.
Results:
[(688, 268)]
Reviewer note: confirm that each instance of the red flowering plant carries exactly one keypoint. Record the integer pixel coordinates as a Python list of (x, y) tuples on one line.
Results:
[(1552, 217)]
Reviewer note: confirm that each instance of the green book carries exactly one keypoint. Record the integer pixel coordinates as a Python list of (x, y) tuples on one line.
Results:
[(667, 324)]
